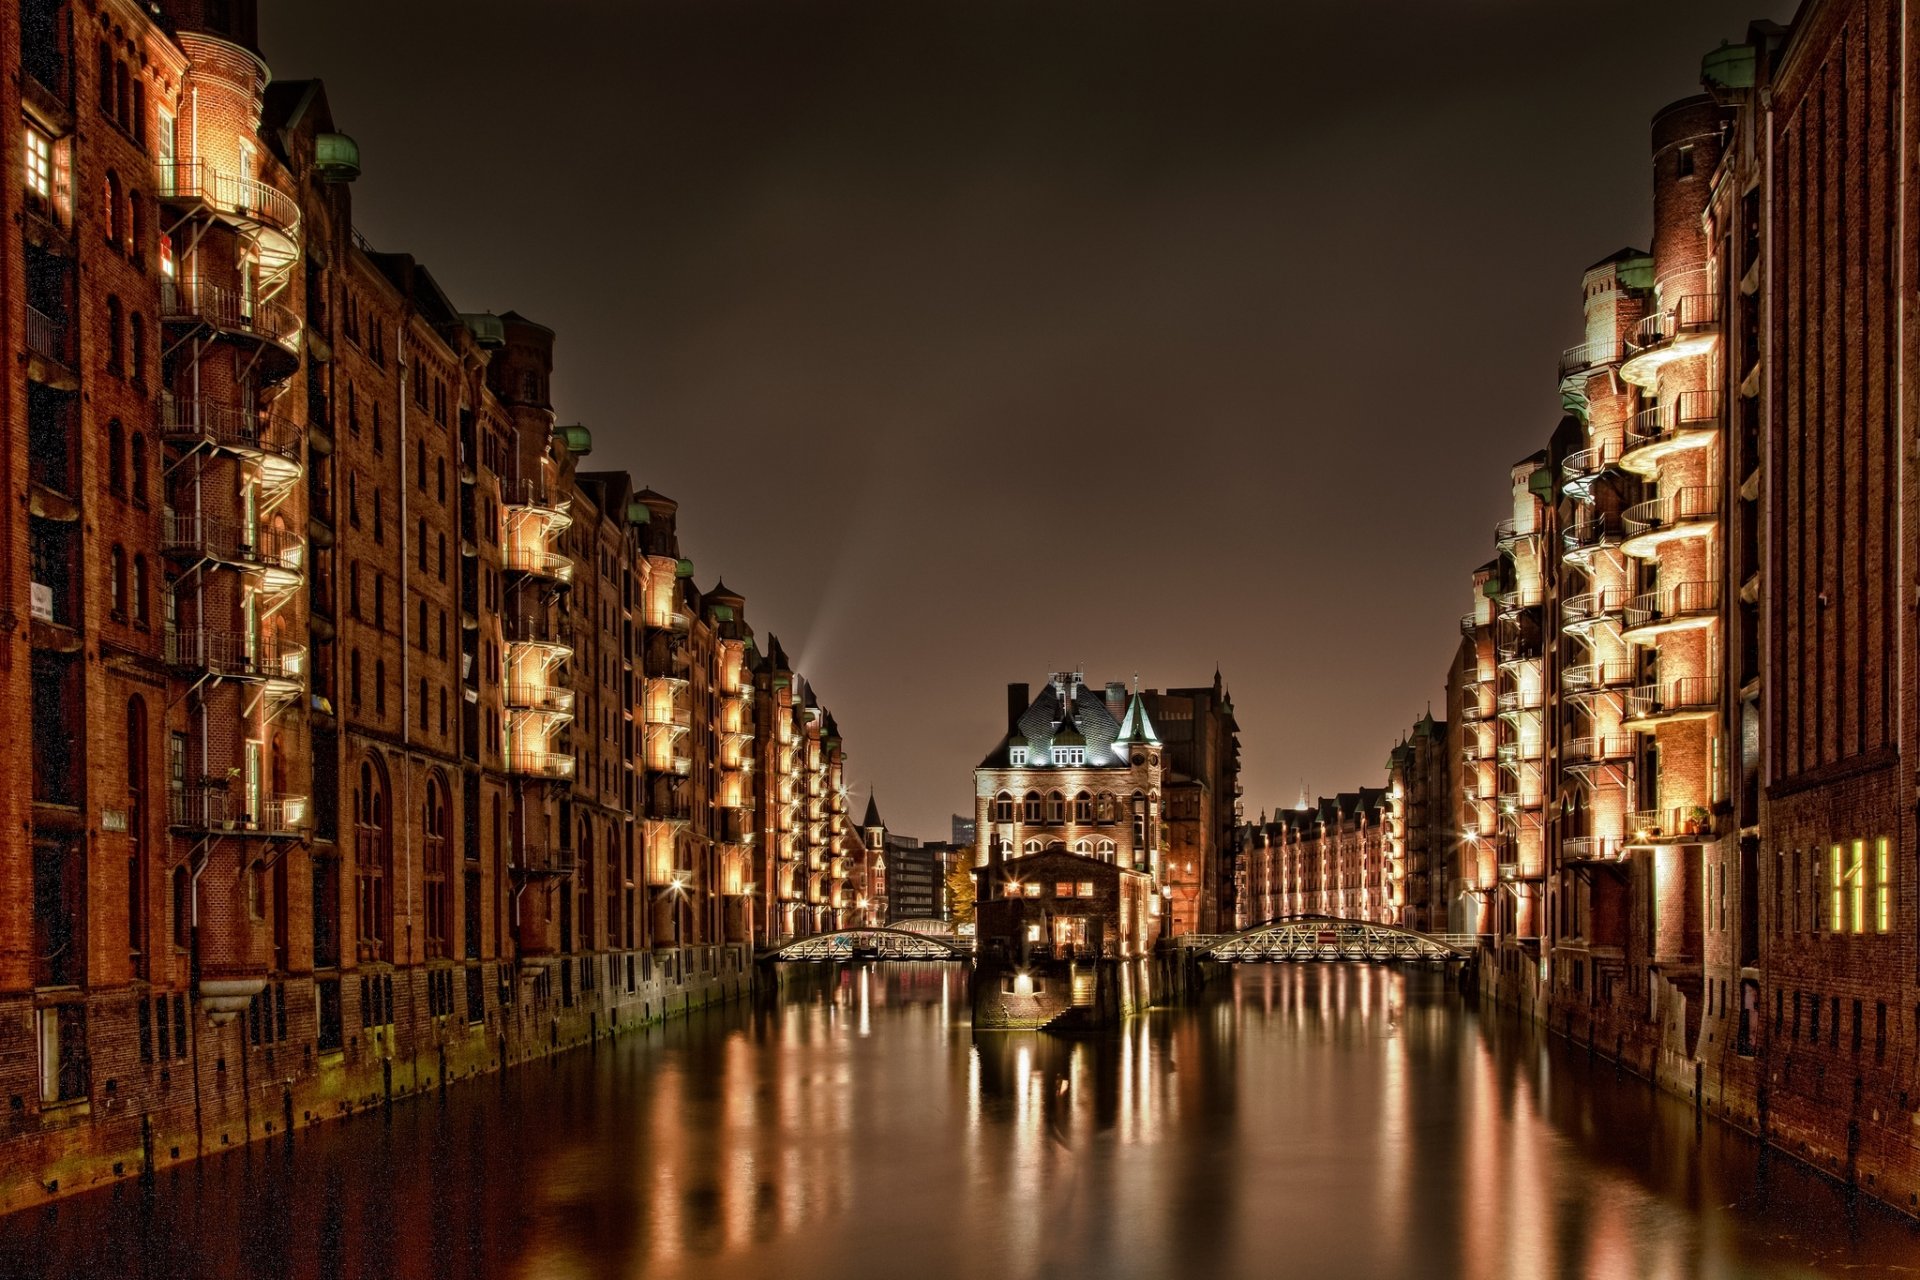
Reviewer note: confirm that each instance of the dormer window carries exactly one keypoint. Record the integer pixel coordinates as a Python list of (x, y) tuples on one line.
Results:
[(1064, 756), (1017, 757)]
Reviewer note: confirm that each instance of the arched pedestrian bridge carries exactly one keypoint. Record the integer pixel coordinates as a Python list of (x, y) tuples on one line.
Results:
[(1330, 938), (869, 944)]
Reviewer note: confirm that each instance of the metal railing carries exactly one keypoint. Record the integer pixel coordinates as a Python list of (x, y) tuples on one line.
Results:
[(1586, 677), (1688, 505), (247, 198), (1602, 530), (212, 538), (229, 309), (231, 654), (212, 805), (1694, 313), (1592, 848), (552, 698), (228, 425), (1589, 605), (1597, 749), (1593, 459), (1515, 529), (1470, 623), (1512, 700), (1687, 600), (1671, 824), (1590, 356), (47, 336), (1688, 411), (541, 764), (1688, 693), (537, 561)]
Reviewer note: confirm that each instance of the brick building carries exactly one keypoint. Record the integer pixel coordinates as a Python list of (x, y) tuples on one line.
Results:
[(1078, 771), (1324, 859), (1685, 702), (371, 739), (1200, 803)]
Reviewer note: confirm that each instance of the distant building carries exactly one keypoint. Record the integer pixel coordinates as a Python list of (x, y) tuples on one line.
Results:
[(1416, 848), (965, 830), (1079, 772), (1200, 803)]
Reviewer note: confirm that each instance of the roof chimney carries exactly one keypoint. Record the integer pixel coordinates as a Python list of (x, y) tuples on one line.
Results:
[(1116, 699), (1017, 704)]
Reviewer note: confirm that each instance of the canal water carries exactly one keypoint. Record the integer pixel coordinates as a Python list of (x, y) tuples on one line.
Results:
[(1325, 1121)]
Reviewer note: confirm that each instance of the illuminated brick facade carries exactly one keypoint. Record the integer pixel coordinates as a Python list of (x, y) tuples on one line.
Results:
[(1700, 591), (366, 737)]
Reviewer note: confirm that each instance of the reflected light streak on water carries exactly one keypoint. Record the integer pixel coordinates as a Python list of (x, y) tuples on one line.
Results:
[(1343, 1121)]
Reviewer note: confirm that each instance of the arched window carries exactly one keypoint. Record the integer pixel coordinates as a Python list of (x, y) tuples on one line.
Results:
[(1003, 807), (112, 216), (1083, 807), (117, 581), (116, 458), (116, 341), (1031, 807), (373, 862), (1030, 848), (137, 833), (1104, 811), (1056, 807), (1104, 851), (433, 870), (1083, 847), (137, 469)]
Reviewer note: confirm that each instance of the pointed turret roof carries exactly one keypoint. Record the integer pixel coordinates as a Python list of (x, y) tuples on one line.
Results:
[(1136, 727), (873, 812)]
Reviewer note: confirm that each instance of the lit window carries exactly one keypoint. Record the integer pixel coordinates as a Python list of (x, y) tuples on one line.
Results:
[(1033, 890), (39, 163), (1017, 757), (1086, 888), (1033, 933), (1063, 889), (1857, 885), (1883, 884), (1833, 925)]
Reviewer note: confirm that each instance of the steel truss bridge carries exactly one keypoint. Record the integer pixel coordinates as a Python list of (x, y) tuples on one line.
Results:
[(1329, 938), (870, 944)]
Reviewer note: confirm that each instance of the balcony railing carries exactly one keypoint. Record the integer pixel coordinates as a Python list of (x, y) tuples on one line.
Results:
[(1589, 357), (668, 620), (243, 198), (551, 698), (541, 563), (1470, 623), (1677, 603), (231, 655), (228, 425), (48, 337), (1513, 700), (1594, 531), (1592, 849), (229, 310), (534, 859), (213, 806), (1598, 749), (229, 541), (1515, 529), (1588, 677), (1668, 826), (1690, 505), (541, 764), (1590, 606), (1694, 313), (1685, 696), (1592, 460)]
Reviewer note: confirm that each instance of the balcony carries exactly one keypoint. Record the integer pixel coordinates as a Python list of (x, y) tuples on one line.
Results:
[(1678, 825), (271, 216), (528, 501), (1686, 607), (1685, 329), (1691, 512), (1596, 677), (1470, 623), (234, 313), (537, 562), (1514, 530), (669, 620), (1513, 754), (1580, 614), (1576, 850), (547, 699), (665, 658), (233, 655), (278, 554), (1582, 467), (540, 764), (211, 806), (1692, 421), (1603, 749), (1514, 701), (265, 438), (1688, 698), (1582, 538), (49, 337), (1590, 358), (534, 860)]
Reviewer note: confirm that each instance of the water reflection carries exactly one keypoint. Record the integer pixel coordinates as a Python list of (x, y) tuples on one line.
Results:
[(1348, 1121)]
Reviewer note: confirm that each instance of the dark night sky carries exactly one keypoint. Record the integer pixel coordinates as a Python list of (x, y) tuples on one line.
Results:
[(979, 338)]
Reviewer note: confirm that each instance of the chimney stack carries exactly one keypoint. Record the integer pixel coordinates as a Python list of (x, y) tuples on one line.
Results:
[(1017, 704), (1117, 699)]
